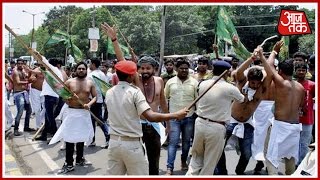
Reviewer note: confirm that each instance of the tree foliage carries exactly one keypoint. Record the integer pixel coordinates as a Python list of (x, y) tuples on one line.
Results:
[(189, 29)]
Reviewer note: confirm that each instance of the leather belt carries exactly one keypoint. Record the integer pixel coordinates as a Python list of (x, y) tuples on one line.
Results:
[(210, 120), (124, 138)]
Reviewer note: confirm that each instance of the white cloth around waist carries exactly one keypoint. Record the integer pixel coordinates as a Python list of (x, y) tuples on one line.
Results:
[(76, 127), (239, 128)]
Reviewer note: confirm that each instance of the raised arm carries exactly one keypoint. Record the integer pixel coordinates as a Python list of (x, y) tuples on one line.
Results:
[(276, 49), (215, 50), (239, 72), (111, 32), (267, 68)]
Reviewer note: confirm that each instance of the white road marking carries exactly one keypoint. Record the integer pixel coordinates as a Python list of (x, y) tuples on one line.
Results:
[(45, 157)]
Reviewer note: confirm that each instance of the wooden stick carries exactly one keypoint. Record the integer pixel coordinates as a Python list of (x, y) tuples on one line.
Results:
[(38, 57), (199, 97), (38, 132)]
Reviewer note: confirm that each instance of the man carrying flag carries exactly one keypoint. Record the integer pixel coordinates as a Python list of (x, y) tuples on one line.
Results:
[(77, 127)]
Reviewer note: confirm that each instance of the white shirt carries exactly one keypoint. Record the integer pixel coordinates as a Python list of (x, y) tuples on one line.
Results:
[(46, 89), (216, 103), (99, 74)]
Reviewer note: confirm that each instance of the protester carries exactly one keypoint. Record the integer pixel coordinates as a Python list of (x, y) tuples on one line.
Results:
[(307, 113), (170, 72), (76, 127), (21, 97), (253, 83), (285, 131)]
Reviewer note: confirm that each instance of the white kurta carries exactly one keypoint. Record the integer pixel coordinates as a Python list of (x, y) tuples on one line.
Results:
[(76, 127), (284, 142)]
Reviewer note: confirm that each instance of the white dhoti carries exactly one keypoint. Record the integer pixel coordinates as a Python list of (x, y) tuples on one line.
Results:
[(262, 118), (9, 115), (76, 127), (37, 105), (284, 142)]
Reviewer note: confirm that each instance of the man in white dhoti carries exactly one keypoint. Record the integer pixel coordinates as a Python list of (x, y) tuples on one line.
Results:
[(77, 127), (285, 132), (37, 102), (253, 82)]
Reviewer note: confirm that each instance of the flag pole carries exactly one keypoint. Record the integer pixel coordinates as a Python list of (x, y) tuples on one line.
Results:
[(125, 39), (38, 57)]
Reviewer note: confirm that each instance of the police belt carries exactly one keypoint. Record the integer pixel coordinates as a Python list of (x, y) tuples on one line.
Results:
[(123, 138), (210, 120)]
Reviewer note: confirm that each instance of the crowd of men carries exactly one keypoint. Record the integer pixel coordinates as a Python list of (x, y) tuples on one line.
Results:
[(264, 105)]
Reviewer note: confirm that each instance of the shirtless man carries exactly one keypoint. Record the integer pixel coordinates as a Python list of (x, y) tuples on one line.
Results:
[(253, 85), (153, 89), (285, 131), (76, 127), (37, 102), (21, 97)]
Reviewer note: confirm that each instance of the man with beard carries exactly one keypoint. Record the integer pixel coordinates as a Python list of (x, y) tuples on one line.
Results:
[(77, 127), (153, 89), (180, 91), (21, 97)]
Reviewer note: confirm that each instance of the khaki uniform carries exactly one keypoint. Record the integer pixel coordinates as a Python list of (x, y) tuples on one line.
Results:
[(209, 137), (126, 152)]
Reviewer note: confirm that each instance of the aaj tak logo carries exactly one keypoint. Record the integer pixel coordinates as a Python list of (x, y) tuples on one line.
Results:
[(292, 22)]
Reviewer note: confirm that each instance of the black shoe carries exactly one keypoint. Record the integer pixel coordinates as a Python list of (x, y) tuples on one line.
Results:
[(41, 138), (29, 130), (66, 168), (259, 166), (17, 133), (83, 162)]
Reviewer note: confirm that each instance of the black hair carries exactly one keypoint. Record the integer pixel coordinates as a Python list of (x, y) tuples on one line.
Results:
[(122, 76), (12, 62), (311, 59), (96, 62), (255, 74), (287, 67), (53, 61), (204, 60), (300, 54), (180, 62), (19, 59), (81, 63), (301, 65), (59, 61)]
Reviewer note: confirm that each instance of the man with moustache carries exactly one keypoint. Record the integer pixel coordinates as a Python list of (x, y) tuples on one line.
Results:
[(76, 127), (181, 91), (153, 89), (170, 72)]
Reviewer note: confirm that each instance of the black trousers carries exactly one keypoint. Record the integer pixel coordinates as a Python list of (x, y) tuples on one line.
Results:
[(151, 138), (70, 151)]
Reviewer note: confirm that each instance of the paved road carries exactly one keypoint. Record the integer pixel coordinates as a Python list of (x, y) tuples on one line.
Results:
[(38, 158)]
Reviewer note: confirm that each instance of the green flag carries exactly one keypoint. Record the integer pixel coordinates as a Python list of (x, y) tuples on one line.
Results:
[(284, 51), (103, 86), (110, 49), (56, 86), (60, 36), (226, 32)]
